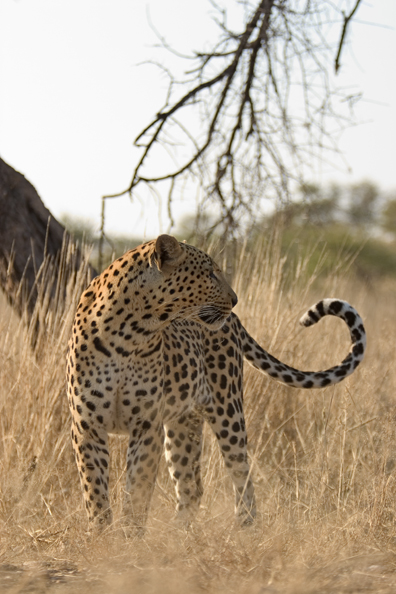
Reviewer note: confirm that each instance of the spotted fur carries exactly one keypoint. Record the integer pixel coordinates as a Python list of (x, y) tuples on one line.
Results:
[(156, 350)]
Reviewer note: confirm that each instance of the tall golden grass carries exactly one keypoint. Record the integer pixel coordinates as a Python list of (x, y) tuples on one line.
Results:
[(323, 462)]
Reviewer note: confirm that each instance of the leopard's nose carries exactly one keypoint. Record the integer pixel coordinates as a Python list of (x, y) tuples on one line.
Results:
[(234, 300)]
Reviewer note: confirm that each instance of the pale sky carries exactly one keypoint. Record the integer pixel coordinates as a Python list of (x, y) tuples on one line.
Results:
[(73, 98)]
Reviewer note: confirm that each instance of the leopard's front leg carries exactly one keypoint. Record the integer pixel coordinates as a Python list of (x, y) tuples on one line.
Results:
[(228, 424), (93, 461)]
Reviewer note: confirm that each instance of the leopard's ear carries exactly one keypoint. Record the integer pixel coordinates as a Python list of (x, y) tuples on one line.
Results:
[(168, 253)]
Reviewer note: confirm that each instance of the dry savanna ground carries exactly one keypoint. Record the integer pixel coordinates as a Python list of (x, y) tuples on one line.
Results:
[(324, 462)]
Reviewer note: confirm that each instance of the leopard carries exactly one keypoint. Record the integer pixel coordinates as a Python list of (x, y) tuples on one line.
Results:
[(155, 352)]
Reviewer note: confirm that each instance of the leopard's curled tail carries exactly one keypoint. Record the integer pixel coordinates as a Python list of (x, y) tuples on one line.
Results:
[(295, 378)]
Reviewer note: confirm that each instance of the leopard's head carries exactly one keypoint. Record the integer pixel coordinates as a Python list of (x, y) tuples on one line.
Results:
[(192, 286)]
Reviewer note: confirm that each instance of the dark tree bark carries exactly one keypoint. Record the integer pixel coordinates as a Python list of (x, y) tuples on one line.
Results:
[(31, 241)]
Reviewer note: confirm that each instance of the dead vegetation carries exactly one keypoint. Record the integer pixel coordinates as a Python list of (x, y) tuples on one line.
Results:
[(324, 462)]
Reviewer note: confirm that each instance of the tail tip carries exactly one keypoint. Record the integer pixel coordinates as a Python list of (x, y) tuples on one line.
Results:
[(306, 320)]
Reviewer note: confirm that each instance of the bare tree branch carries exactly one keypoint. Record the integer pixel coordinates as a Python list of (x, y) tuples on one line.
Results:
[(265, 101), (227, 73), (347, 18)]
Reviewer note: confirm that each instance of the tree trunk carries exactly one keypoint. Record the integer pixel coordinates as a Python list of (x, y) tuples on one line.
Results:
[(30, 237)]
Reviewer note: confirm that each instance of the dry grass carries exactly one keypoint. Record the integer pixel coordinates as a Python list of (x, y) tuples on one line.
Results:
[(324, 464)]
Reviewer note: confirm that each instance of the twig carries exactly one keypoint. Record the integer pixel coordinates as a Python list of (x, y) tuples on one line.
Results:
[(347, 18)]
